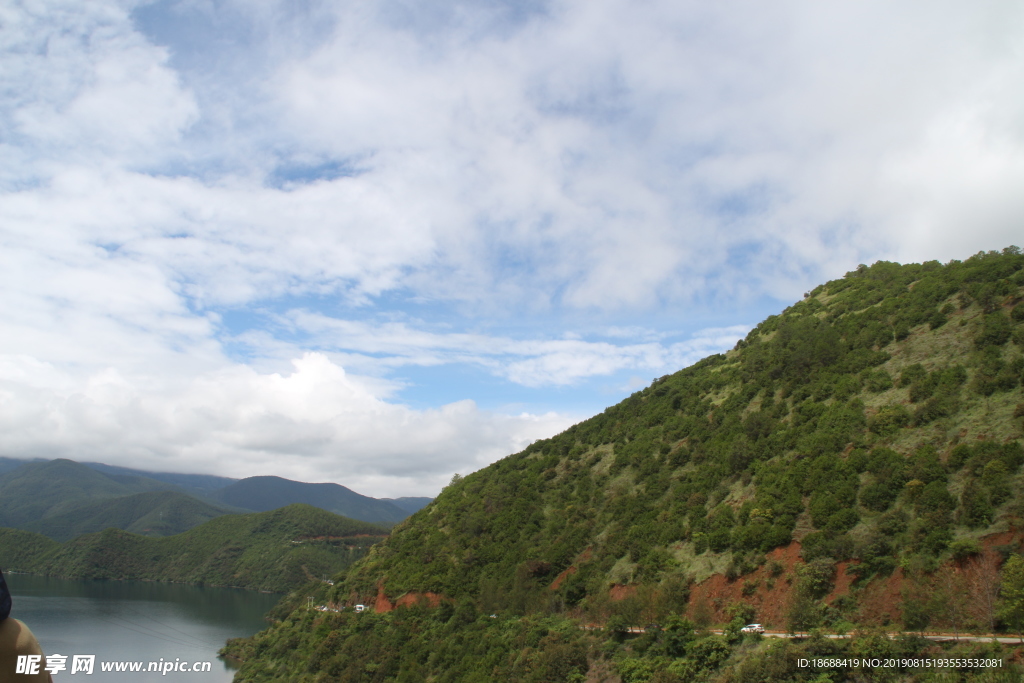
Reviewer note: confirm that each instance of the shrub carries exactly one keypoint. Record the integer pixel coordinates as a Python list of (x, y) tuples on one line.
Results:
[(912, 373), (963, 548), (816, 577), (975, 507), (995, 330), (889, 420)]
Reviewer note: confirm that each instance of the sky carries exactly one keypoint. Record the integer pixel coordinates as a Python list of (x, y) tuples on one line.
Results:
[(379, 242)]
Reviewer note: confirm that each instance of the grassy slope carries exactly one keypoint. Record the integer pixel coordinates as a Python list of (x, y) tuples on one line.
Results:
[(274, 550), (878, 421)]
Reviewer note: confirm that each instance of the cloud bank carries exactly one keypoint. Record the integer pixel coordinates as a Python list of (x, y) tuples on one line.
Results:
[(213, 214)]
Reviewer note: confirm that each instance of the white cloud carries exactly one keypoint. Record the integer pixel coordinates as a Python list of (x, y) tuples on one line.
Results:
[(528, 362), (592, 155), (316, 423), (85, 87), (620, 155), (605, 161)]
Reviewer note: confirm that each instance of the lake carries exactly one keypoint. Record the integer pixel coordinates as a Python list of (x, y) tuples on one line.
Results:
[(137, 621)]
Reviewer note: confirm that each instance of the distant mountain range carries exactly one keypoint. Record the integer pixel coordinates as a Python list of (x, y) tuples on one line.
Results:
[(63, 499), (269, 493), (275, 551)]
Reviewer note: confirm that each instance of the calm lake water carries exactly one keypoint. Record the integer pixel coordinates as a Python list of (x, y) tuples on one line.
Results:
[(137, 621)]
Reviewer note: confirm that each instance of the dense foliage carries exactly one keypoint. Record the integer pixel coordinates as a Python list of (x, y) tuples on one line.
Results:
[(274, 551), (458, 644), (877, 421), (22, 550)]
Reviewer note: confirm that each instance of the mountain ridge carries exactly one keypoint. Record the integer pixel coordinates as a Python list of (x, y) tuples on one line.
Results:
[(873, 428), (152, 513), (264, 493), (276, 550), (61, 497)]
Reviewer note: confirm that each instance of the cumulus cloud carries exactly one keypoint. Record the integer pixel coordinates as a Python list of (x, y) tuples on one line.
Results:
[(167, 165), (585, 155), (316, 423), (619, 156), (81, 85)]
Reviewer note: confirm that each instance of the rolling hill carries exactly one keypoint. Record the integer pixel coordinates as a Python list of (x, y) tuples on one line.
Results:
[(853, 463)]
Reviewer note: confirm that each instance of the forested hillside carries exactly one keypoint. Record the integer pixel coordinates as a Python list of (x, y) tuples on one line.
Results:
[(63, 499), (851, 464), (37, 490), (156, 513), (274, 551)]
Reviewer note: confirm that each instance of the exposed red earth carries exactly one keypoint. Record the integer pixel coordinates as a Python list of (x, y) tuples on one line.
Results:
[(879, 602)]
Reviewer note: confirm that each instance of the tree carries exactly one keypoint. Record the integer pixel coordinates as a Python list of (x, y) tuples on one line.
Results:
[(916, 608), (700, 613), (982, 573), (951, 596), (1011, 594), (803, 613)]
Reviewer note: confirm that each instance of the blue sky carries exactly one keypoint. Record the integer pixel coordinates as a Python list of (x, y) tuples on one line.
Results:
[(381, 242)]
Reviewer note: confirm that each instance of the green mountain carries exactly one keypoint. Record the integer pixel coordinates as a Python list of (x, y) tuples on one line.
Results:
[(22, 550), (274, 551), (156, 513), (267, 493), (38, 490), (63, 499), (8, 464), (853, 463)]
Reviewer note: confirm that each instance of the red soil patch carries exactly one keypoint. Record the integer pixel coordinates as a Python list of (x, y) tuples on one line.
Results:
[(843, 581), (381, 603), (619, 591), (384, 604), (413, 598), (717, 592), (1003, 538), (556, 584), (587, 553), (882, 600)]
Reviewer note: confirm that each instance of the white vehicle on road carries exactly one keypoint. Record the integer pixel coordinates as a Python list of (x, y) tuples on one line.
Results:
[(752, 628)]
